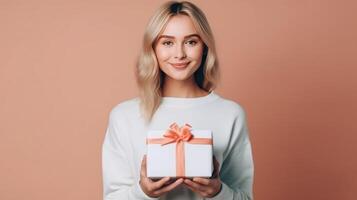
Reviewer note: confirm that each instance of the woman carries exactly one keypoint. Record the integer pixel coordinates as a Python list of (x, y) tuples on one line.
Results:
[(176, 74)]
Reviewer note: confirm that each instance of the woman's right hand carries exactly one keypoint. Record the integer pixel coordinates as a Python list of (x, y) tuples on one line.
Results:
[(156, 188)]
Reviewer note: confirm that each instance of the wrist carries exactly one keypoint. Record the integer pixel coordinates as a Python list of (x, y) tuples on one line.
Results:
[(220, 189), (139, 192)]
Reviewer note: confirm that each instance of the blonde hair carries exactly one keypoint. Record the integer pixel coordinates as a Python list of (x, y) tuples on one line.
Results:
[(149, 76)]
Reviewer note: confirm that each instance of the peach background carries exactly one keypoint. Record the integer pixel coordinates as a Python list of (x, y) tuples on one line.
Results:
[(290, 64)]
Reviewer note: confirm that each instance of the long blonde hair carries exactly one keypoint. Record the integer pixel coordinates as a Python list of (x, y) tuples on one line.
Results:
[(149, 76)]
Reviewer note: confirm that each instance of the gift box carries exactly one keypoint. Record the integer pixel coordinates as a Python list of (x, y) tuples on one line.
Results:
[(179, 152)]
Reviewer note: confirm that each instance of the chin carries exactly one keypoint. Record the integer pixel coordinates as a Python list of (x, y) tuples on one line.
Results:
[(179, 78)]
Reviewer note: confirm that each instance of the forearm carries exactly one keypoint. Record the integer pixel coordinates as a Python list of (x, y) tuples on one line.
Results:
[(126, 193), (227, 193)]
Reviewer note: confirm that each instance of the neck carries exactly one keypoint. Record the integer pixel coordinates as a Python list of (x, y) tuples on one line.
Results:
[(185, 89)]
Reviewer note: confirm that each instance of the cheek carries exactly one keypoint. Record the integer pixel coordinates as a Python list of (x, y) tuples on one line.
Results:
[(162, 54), (195, 53)]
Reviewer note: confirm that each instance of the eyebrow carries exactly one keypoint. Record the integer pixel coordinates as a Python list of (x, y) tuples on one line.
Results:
[(172, 37)]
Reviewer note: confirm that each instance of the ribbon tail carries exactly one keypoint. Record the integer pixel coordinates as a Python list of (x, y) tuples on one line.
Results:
[(166, 141)]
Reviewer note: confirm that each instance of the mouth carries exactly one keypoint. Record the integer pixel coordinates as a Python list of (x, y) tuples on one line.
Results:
[(180, 65)]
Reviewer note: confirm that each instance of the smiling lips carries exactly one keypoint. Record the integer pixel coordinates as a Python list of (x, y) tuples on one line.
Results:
[(179, 65)]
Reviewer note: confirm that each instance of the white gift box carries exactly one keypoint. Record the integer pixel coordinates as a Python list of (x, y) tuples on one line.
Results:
[(162, 161)]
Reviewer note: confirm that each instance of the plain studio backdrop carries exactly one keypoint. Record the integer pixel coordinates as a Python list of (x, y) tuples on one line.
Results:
[(291, 64)]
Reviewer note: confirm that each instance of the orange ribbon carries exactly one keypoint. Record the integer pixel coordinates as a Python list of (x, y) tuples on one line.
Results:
[(179, 135)]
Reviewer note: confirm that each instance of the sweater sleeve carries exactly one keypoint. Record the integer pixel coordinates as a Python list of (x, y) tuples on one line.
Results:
[(237, 168), (118, 180)]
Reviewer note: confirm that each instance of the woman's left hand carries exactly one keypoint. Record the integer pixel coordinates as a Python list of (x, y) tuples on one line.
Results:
[(206, 187)]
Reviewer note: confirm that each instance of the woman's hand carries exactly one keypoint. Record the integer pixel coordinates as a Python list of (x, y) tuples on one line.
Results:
[(206, 187), (156, 188)]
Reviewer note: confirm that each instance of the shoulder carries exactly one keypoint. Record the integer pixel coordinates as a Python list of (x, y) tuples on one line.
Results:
[(124, 108), (231, 107)]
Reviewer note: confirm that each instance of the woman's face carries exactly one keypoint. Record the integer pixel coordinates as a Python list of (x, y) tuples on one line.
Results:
[(179, 48)]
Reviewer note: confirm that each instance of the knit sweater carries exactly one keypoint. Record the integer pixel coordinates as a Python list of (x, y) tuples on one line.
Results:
[(125, 144)]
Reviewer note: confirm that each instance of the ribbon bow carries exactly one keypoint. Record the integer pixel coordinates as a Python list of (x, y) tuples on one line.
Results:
[(178, 134)]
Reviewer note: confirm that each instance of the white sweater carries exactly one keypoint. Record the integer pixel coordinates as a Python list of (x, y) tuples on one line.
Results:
[(125, 144)]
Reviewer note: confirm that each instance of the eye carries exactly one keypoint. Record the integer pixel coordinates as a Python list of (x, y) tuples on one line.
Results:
[(167, 43), (192, 42)]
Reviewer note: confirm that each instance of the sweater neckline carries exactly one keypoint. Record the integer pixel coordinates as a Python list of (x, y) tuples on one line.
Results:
[(188, 101)]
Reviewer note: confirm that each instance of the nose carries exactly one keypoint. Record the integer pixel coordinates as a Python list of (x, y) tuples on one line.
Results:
[(180, 52)]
